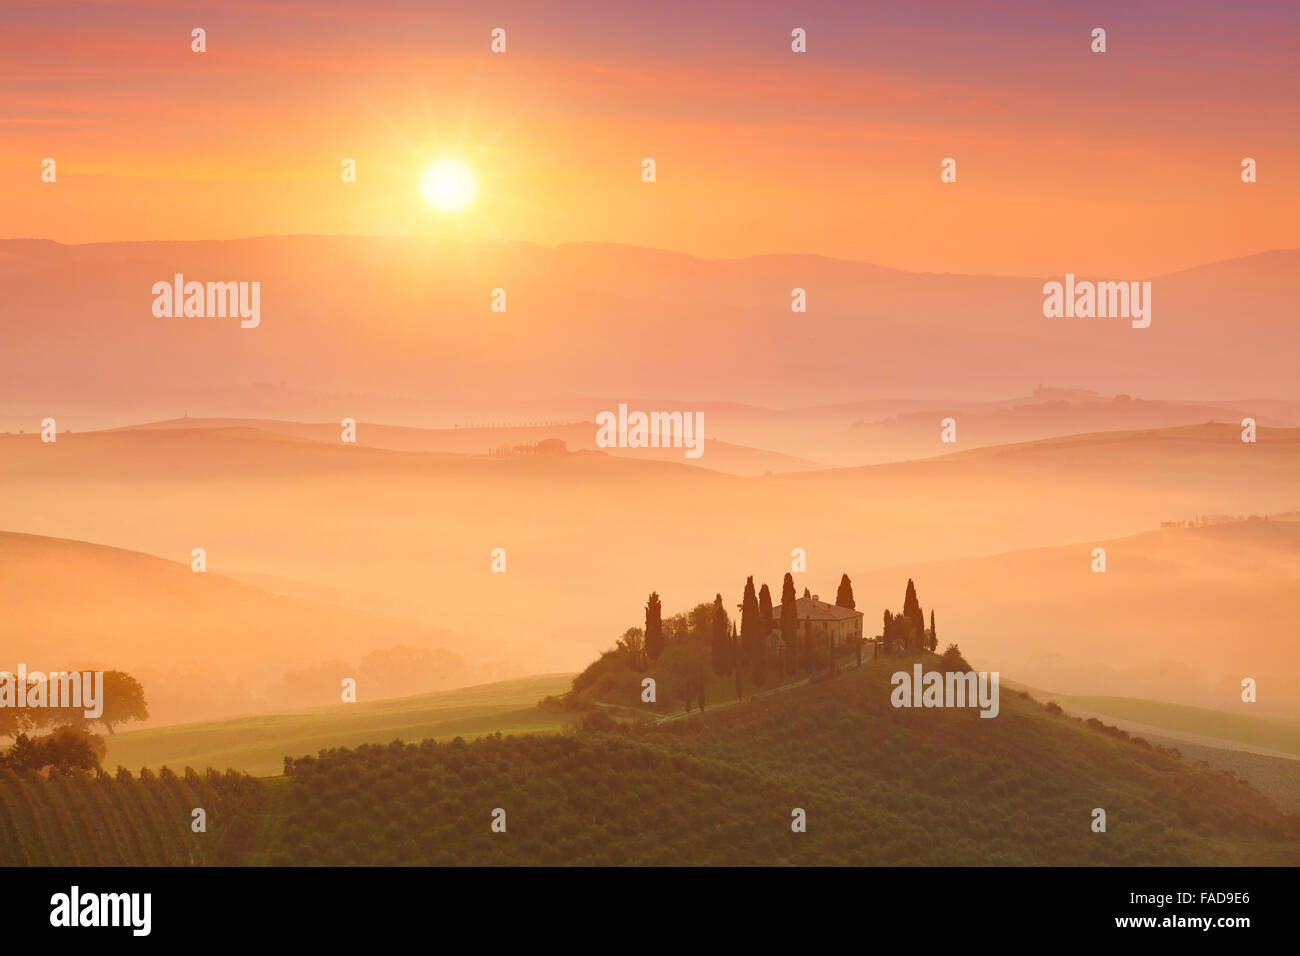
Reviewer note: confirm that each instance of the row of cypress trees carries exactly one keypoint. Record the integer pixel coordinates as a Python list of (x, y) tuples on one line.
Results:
[(730, 652), (906, 630)]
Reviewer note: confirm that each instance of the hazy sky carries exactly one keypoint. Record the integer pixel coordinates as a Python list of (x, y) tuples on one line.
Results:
[(1125, 163)]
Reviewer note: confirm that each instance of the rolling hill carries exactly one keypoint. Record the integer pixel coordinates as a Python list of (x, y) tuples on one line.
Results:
[(789, 439), (202, 644), (1181, 614), (577, 436), (1250, 732), (1263, 750), (409, 535), (878, 785)]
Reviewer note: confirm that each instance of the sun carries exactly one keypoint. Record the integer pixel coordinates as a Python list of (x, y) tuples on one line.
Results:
[(448, 185)]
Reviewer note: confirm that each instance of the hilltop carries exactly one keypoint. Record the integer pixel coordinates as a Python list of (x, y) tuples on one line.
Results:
[(881, 786)]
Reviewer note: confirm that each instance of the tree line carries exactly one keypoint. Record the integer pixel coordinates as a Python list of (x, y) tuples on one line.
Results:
[(685, 650)]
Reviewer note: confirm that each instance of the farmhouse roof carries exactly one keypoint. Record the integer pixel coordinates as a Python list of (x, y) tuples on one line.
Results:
[(811, 609)]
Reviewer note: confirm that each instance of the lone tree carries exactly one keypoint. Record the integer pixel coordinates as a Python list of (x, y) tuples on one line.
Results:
[(844, 597), (723, 660), (654, 627), (789, 624), (749, 620), (123, 700), (934, 635)]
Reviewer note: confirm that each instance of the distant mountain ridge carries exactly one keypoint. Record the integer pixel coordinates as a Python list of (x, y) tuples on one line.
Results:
[(414, 318)]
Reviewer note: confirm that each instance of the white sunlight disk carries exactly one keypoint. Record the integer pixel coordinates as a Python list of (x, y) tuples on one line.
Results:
[(448, 185)]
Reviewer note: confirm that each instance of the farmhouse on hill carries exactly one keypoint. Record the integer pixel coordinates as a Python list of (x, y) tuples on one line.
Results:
[(819, 620)]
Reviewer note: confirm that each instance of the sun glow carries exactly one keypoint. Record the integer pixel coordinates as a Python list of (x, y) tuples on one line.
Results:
[(448, 185)]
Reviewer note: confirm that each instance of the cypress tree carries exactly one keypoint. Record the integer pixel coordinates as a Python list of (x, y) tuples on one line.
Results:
[(765, 619), (912, 612), (789, 624), (721, 645), (844, 597), (748, 620), (654, 629), (735, 659), (911, 606)]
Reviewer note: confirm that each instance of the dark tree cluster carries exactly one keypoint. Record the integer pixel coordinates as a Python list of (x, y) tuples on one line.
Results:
[(906, 633), (67, 750), (69, 745)]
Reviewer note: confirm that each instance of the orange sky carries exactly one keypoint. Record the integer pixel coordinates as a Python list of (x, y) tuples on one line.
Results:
[(1122, 163)]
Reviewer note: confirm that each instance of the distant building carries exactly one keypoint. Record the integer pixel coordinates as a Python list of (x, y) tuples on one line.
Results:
[(817, 620)]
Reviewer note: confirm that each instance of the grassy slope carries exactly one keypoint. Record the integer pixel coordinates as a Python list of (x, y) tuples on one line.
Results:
[(1278, 778), (1226, 741), (258, 744), (1273, 733), (880, 786)]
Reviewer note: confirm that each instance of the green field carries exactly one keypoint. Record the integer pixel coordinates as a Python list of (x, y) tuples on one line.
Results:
[(258, 744), (1272, 733), (1225, 741)]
